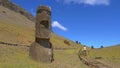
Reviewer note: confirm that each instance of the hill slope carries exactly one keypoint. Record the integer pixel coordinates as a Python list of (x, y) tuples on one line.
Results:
[(16, 8), (14, 27), (17, 29), (109, 55)]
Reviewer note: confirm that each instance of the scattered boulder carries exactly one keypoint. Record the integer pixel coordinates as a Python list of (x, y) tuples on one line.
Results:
[(3, 11), (98, 57), (92, 47), (77, 42), (101, 46), (66, 42)]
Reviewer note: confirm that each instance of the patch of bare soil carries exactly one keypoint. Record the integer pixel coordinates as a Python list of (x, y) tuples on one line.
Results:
[(93, 63)]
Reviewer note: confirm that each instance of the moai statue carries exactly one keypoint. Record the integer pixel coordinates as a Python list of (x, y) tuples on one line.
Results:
[(41, 49)]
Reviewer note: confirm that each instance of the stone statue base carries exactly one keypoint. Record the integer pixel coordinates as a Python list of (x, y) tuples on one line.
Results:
[(40, 53)]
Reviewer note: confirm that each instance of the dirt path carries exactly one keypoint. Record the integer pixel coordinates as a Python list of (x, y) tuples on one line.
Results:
[(13, 44), (92, 63)]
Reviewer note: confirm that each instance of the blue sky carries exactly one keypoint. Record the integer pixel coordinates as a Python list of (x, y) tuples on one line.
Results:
[(92, 22)]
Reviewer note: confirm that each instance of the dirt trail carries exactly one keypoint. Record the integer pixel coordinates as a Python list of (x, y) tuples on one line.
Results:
[(92, 63), (13, 44)]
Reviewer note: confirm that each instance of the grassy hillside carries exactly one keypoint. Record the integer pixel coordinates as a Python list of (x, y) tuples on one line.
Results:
[(17, 29), (108, 52), (13, 33), (18, 57), (109, 55)]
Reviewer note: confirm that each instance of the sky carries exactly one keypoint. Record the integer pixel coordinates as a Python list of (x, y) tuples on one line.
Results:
[(91, 22)]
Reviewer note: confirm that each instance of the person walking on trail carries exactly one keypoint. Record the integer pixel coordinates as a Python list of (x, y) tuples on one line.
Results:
[(84, 50)]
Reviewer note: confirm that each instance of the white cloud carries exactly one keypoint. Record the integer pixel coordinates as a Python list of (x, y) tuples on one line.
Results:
[(58, 25), (88, 2)]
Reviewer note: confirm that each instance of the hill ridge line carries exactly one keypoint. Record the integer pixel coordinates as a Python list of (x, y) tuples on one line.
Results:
[(14, 7)]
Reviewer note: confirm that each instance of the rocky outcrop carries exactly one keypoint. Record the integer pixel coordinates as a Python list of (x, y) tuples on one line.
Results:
[(16, 8)]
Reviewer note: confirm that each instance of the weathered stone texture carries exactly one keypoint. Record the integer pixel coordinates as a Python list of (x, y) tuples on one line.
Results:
[(41, 49), (39, 53), (43, 22)]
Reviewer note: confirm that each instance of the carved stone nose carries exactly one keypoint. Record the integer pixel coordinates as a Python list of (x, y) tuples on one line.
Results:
[(41, 49)]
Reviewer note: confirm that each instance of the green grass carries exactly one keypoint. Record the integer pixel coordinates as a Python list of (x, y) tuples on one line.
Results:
[(12, 57), (15, 28), (110, 55), (15, 33), (109, 52), (18, 57)]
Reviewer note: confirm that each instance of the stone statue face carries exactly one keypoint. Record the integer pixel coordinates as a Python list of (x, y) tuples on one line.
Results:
[(44, 11), (43, 23)]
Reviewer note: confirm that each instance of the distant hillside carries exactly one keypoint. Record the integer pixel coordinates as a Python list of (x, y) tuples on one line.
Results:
[(111, 52), (16, 8)]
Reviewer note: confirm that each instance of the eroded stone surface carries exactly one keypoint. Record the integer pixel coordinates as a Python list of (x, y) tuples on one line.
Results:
[(41, 49)]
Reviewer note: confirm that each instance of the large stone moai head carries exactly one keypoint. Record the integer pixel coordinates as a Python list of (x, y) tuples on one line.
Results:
[(43, 22), (41, 49)]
